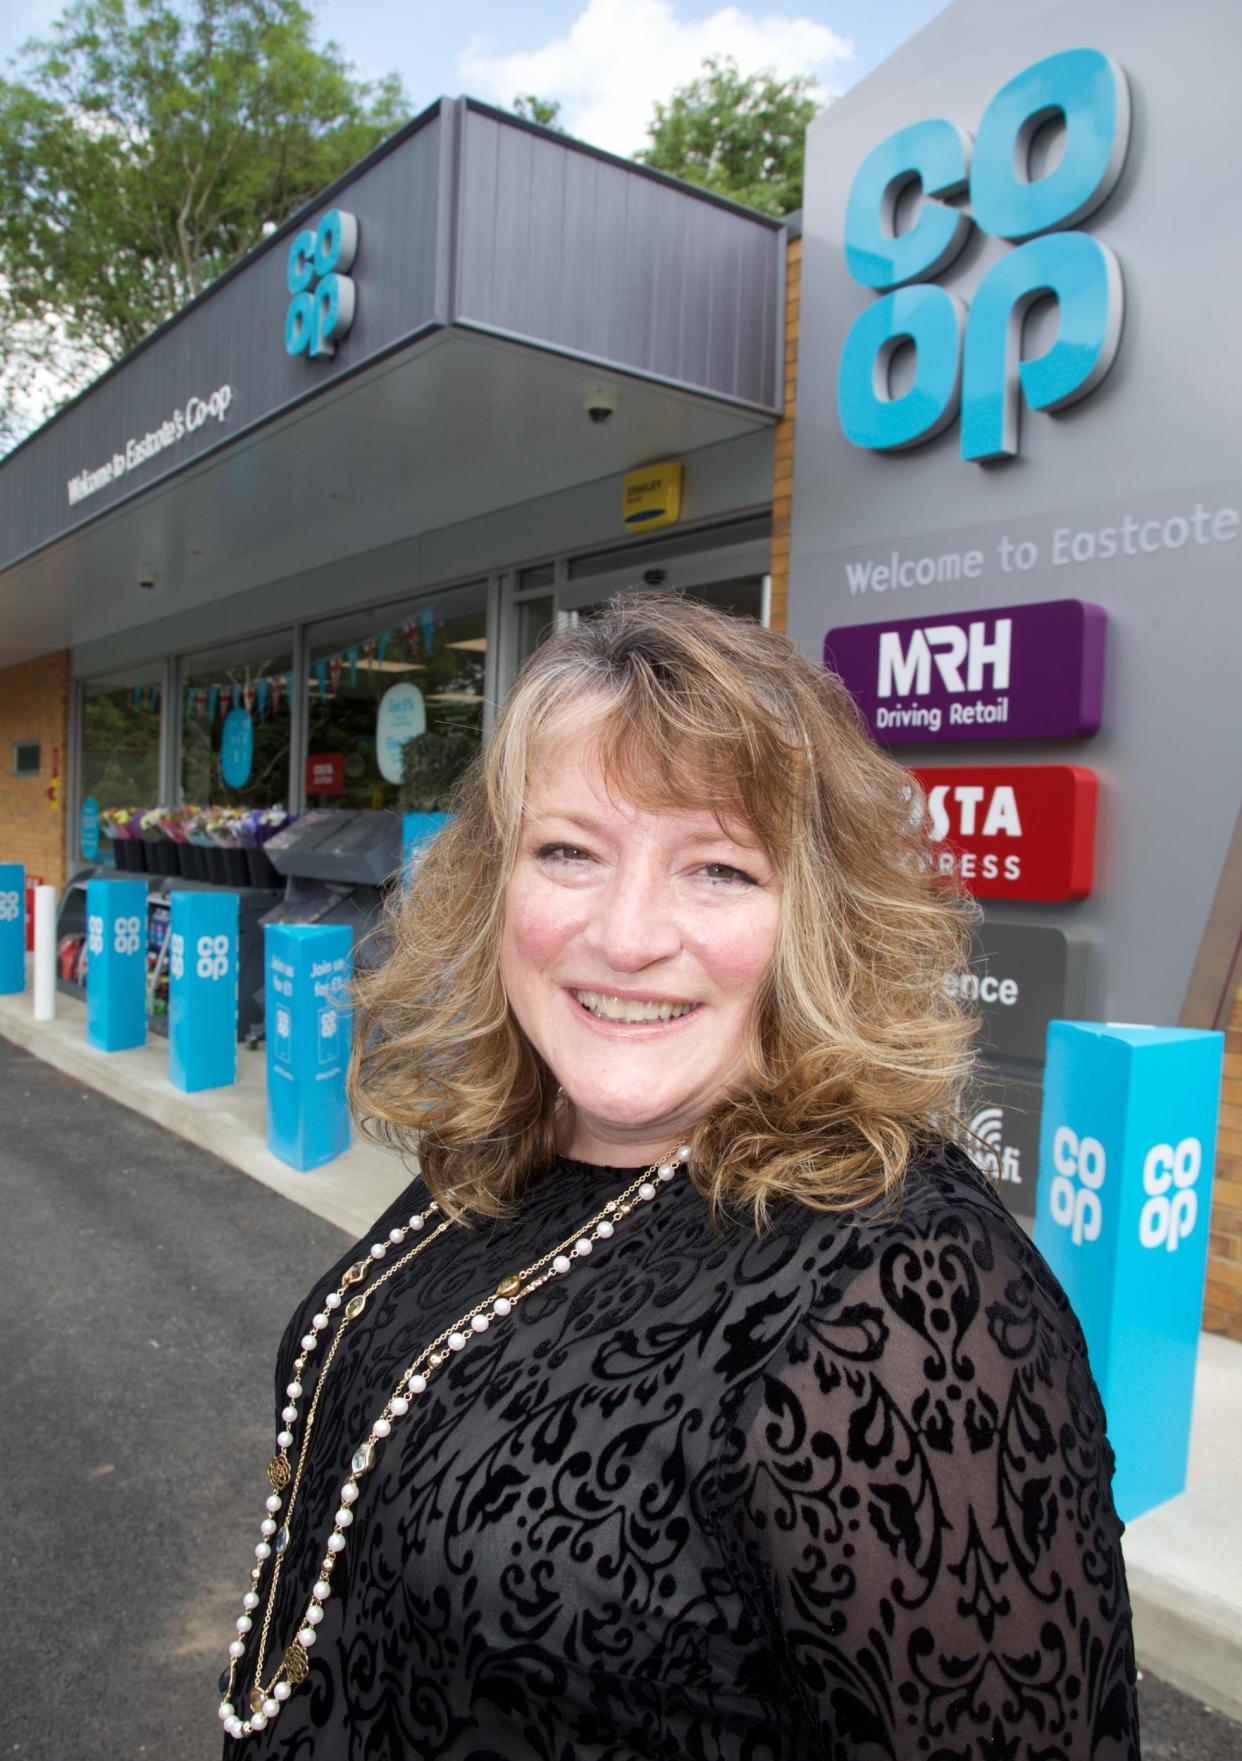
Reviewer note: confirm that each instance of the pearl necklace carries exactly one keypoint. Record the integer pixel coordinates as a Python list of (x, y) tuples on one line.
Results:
[(294, 1666)]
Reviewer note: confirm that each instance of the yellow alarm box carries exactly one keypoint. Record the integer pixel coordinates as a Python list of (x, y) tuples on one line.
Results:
[(651, 496)]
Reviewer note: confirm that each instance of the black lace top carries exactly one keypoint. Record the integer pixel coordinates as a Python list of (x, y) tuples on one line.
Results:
[(839, 1491)]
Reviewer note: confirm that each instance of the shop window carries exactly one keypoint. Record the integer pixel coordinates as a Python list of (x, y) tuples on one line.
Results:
[(120, 766), (235, 720), (395, 702)]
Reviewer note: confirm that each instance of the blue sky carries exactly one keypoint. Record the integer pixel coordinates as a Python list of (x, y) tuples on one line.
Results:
[(607, 61)]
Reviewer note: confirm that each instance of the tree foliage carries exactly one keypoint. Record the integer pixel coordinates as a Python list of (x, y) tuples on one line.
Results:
[(545, 111), (145, 146), (738, 135)]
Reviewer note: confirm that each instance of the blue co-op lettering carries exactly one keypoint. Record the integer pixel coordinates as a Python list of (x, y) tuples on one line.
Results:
[(969, 358), (324, 298)]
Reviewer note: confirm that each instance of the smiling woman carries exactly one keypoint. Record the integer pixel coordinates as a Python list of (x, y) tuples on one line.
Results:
[(699, 1398)]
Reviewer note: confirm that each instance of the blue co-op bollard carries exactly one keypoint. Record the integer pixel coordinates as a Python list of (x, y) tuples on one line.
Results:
[(12, 928), (202, 990), (307, 972), (116, 965), (1127, 1147)]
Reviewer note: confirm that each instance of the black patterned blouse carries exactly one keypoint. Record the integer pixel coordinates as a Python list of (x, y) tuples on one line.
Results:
[(838, 1491)]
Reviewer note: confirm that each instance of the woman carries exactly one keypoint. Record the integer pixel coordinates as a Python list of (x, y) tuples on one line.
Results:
[(699, 1399)]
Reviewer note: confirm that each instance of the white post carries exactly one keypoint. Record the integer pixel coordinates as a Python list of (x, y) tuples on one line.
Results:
[(45, 954)]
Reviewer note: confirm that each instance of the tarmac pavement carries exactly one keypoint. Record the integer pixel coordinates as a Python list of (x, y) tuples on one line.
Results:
[(144, 1285)]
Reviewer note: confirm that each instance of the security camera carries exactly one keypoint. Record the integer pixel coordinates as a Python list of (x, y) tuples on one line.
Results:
[(600, 403), (146, 579)]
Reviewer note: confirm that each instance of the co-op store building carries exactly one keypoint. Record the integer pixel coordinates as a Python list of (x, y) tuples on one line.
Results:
[(1020, 542)]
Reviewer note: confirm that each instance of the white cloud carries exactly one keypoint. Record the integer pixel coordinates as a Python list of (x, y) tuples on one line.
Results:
[(620, 56)]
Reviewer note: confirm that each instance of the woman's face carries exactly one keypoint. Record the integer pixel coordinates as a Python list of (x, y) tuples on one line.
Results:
[(634, 942)]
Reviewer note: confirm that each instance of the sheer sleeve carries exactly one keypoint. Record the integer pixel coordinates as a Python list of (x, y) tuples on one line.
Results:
[(916, 1505)]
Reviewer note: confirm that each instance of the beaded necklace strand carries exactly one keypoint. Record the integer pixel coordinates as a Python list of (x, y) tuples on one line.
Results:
[(265, 1702)]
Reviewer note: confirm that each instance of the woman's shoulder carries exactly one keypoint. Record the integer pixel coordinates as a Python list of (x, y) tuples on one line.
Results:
[(946, 1241)]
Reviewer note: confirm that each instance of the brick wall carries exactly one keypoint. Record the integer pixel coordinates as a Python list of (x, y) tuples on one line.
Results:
[(782, 476), (1223, 1307), (34, 705)]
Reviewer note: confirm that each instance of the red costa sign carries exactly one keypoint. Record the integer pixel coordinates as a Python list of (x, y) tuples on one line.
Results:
[(1014, 831), (325, 773)]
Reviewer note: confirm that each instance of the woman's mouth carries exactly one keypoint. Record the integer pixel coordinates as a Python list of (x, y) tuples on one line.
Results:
[(605, 1007)]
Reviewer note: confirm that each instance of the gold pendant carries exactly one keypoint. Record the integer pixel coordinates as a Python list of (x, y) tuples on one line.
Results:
[(509, 1286), (297, 1663), (257, 1697), (278, 1473)]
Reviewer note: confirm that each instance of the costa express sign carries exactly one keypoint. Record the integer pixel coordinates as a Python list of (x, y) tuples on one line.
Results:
[(1020, 672), (1019, 831)]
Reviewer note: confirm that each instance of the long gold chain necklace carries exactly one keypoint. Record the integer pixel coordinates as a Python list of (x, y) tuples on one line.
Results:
[(266, 1700)]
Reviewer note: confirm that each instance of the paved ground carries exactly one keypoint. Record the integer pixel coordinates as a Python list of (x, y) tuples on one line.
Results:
[(143, 1288)]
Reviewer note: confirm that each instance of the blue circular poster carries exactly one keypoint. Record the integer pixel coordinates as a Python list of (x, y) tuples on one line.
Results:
[(237, 748), (88, 828)]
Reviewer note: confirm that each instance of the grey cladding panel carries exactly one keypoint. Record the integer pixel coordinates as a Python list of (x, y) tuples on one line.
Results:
[(590, 256), (235, 337)]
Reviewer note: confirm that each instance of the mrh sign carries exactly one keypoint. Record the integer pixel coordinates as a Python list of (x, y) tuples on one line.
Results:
[(1021, 672), (970, 359), (322, 308)]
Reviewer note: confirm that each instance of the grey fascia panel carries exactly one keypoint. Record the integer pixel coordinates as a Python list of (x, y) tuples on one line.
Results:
[(233, 335), (593, 257)]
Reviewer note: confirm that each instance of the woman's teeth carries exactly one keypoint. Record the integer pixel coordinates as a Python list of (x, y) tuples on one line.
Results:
[(606, 1008)]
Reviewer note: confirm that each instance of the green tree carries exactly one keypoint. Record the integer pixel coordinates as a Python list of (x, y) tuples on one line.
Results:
[(144, 147), (544, 111), (738, 135)]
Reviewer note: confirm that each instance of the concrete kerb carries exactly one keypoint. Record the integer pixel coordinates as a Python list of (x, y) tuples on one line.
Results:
[(1181, 1559)]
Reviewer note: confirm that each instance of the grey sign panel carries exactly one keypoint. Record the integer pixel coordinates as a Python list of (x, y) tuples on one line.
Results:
[(230, 344), (1128, 498), (587, 254), (1020, 977), (1003, 1116), (556, 245)]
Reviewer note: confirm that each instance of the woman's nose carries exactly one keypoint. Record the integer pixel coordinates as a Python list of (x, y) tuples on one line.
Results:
[(633, 924)]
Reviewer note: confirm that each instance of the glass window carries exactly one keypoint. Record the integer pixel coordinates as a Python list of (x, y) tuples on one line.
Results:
[(235, 720), (121, 741), (395, 702)]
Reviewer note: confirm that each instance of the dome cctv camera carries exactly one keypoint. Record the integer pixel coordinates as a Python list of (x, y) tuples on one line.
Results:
[(600, 403)]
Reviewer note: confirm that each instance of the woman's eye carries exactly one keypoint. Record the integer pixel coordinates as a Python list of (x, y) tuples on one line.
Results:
[(562, 853), (726, 873)]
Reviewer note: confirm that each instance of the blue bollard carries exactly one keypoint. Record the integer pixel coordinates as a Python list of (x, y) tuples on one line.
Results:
[(1127, 1148), (116, 970), (202, 991), (307, 972), (12, 928), (417, 831)]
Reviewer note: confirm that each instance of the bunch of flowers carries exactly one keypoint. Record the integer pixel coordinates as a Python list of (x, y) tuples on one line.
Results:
[(175, 823), (120, 822), (261, 823), (196, 825), (149, 824), (224, 827)]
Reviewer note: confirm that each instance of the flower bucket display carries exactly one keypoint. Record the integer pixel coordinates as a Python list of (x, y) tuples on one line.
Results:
[(222, 846)]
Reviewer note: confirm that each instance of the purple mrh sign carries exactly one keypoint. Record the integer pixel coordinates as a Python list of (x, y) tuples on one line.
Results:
[(1017, 672)]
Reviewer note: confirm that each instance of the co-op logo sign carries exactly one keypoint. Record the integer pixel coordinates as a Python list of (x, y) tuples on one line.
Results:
[(969, 359), (1170, 1203), (321, 311)]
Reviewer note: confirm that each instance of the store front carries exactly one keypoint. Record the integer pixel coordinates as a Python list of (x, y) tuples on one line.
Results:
[(296, 546)]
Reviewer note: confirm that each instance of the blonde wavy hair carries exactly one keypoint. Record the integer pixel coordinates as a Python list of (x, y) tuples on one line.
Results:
[(856, 1052)]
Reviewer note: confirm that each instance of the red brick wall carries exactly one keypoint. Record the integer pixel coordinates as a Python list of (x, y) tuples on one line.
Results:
[(1223, 1308), (34, 705)]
